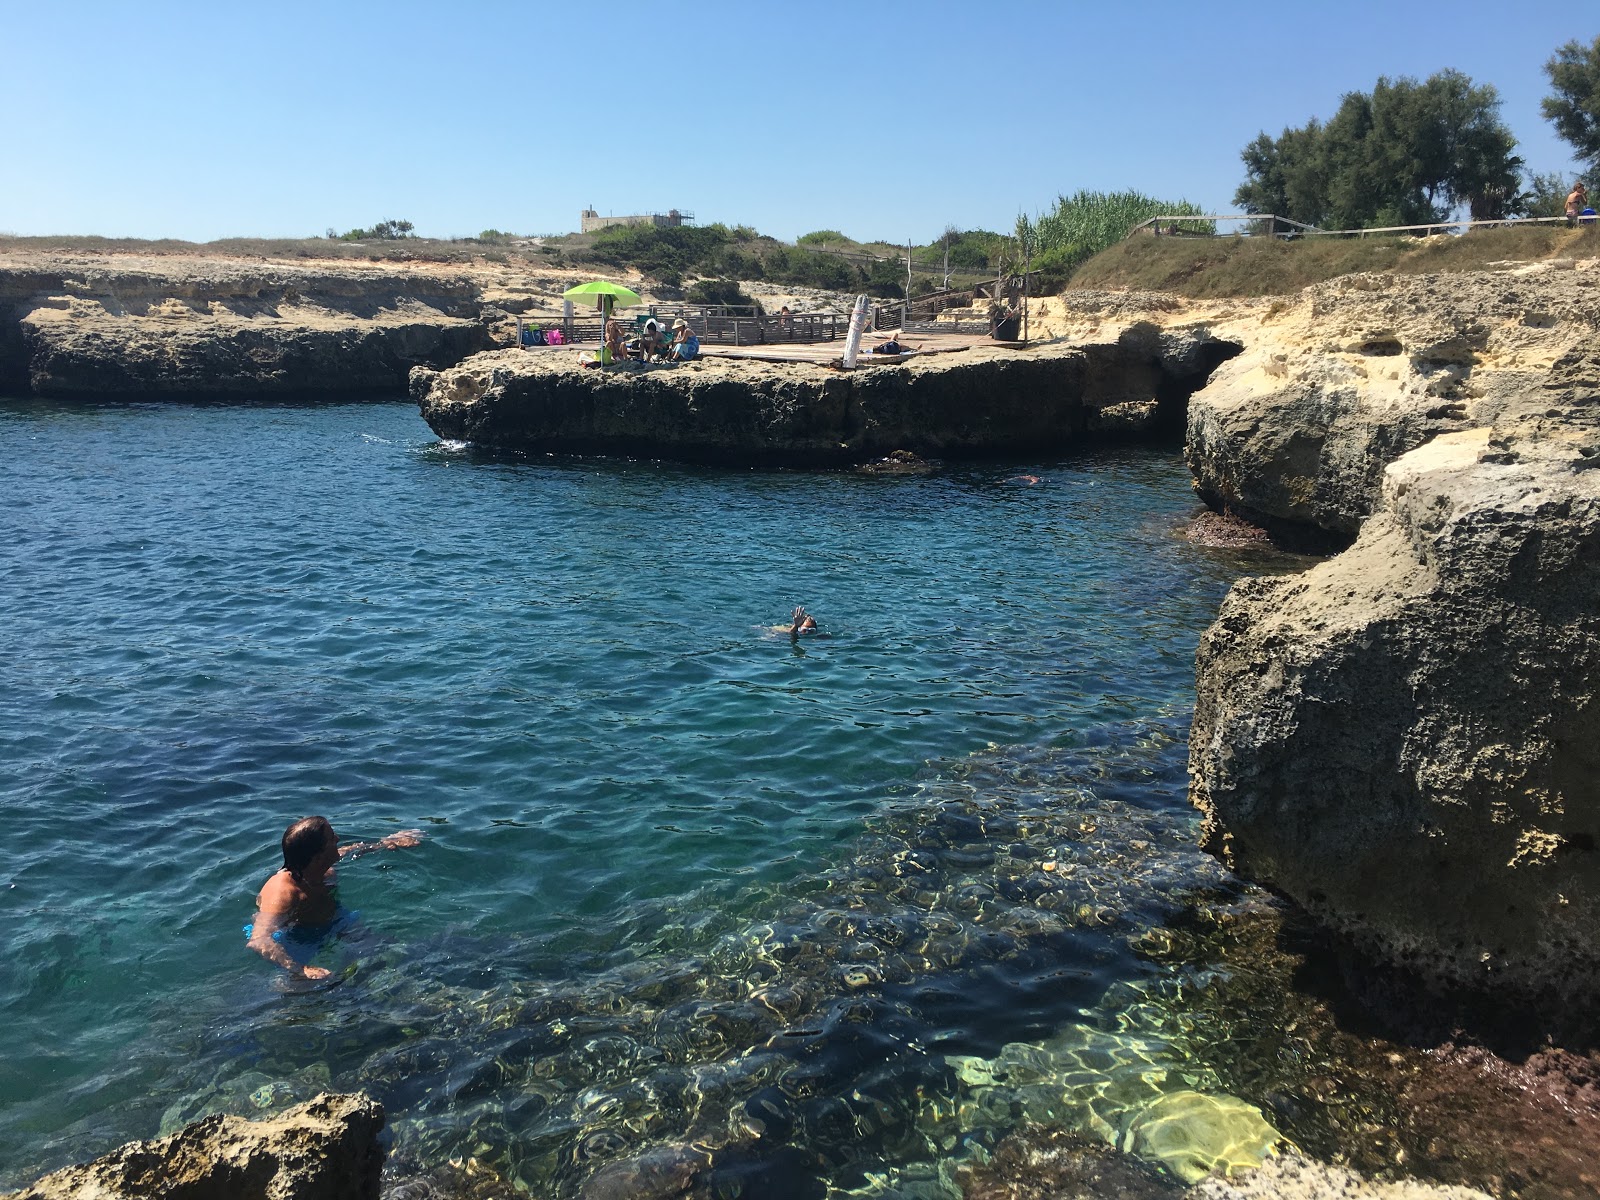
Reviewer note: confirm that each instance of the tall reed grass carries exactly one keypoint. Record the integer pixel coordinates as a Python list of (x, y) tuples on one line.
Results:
[(1085, 222)]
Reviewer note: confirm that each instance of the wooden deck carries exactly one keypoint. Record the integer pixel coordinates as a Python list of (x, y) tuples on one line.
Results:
[(826, 352), (822, 352)]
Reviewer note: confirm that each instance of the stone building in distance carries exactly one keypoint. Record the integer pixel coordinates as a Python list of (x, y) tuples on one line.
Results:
[(591, 221)]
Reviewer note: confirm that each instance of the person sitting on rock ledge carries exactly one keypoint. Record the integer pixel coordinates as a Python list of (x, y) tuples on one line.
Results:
[(616, 348), (649, 344), (685, 345), (299, 898)]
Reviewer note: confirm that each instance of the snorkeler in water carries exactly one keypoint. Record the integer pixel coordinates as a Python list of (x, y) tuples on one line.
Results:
[(300, 895)]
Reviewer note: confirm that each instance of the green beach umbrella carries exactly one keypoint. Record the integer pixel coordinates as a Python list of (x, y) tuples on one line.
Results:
[(605, 294)]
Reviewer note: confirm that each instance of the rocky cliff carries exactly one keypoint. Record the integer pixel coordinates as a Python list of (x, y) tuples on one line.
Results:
[(984, 401), (325, 1149), (1296, 432), (87, 325), (1405, 739)]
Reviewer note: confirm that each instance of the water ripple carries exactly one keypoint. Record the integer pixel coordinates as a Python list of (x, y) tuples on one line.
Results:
[(220, 619)]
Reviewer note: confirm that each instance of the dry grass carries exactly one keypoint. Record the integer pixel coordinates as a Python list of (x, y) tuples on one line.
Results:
[(1207, 268), (399, 250)]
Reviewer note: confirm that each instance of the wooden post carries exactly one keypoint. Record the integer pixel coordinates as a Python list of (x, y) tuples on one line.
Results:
[(519, 333), (852, 342), (905, 309), (1027, 264)]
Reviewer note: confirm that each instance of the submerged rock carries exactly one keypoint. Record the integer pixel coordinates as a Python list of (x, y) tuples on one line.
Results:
[(326, 1149), (1193, 1134)]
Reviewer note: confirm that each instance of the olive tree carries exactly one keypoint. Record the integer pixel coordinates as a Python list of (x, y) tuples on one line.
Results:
[(1406, 153)]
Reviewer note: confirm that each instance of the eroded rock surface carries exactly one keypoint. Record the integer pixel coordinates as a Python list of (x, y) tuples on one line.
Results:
[(1296, 432), (978, 402), (1405, 739), (109, 327), (325, 1149)]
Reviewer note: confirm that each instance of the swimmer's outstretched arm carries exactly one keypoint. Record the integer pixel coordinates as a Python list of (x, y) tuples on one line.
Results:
[(395, 841)]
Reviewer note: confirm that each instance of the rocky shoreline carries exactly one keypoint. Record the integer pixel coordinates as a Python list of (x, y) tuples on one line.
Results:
[(1405, 739), (988, 401), (324, 1149), (108, 327)]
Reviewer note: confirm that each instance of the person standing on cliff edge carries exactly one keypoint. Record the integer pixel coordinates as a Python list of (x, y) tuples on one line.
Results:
[(297, 909)]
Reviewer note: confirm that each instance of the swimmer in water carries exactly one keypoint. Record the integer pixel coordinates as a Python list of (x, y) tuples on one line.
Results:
[(801, 622), (1030, 480), (301, 893)]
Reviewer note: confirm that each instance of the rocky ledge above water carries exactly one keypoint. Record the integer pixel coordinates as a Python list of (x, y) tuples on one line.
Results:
[(1337, 383), (101, 326), (325, 1149), (984, 401), (1405, 739)]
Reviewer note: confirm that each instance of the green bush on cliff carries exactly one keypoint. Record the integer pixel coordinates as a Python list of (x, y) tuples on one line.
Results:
[(720, 291), (823, 237), (383, 231), (674, 250), (971, 251)]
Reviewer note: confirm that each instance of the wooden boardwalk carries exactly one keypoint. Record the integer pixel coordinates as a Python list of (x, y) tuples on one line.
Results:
[(826, 352)]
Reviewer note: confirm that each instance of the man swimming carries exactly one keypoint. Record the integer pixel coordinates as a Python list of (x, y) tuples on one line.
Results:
[(300, 895), (803, 622)]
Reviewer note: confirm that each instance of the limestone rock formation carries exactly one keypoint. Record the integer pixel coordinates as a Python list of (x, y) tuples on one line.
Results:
[(1295, 433), (325, 1149), (109, 328), (982, 401), (1406, 738)]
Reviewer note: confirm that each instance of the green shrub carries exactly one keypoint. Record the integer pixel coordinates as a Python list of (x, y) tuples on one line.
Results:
[(719, 291), (1055, 266), (971, 251), (735, 264), (383, 231), (822, 237), (886, 280), (658, 252)]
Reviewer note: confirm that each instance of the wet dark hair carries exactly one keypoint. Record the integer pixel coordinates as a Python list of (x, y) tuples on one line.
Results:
[(303, 841)]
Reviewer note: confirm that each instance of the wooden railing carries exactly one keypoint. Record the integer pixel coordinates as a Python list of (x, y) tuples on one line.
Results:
[(1266, 225), (710, 326), (770, 330)]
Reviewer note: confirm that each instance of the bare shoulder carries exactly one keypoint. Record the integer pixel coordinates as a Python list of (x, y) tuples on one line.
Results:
[(279, 893)]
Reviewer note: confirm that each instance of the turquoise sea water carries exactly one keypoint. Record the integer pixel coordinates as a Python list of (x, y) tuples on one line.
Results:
[(644, 811)]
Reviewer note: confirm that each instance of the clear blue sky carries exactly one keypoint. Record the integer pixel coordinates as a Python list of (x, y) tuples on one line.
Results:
[(883, 120)]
